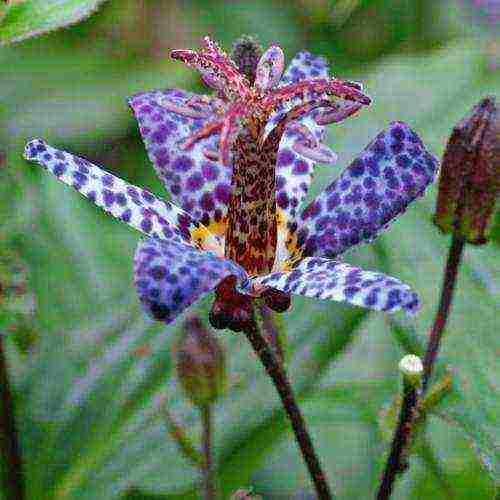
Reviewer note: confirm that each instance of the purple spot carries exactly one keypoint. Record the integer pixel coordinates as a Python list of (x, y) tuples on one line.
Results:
[(92, 196), (398, 133), (285, 158), (280, 182), (351, 291), (300, 167), (108, 180), (357, 168), (282, 200), (59, 169), (120, 199), (207, 202), (194, 182), (147, 196), (127, 215), (175, 189), (158, 273), (108, 197), (344, 184), (333, 201), (210, 171), (223, 193), (80, 178), (146, 225), (59, 155), (183, 164)]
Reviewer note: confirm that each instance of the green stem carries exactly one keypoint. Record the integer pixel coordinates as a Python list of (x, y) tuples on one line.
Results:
[(207, 469)]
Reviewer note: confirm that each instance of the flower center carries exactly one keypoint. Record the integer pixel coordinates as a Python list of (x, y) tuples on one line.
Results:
[(251, 235)]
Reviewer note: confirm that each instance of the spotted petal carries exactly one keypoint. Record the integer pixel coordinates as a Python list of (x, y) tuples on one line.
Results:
[(170, 276), (374, 189), (137, 207), (327, 279), (194, 177), (304, 65)]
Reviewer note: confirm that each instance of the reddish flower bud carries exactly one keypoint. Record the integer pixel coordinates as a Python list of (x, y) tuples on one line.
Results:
[(470, 174), (200, 363)]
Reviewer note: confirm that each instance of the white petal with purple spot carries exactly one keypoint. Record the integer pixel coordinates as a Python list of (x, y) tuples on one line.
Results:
[(135, 206), (170, 276), (327, 279), (194, 178)]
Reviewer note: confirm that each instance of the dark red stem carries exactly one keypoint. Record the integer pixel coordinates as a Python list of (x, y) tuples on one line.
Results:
[(450, 278), (277, 373), (396, 463), (12, 470)]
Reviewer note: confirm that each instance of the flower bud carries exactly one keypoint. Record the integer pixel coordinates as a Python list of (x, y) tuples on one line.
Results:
[(412, 369), (470, 175), (246, 54), (200, 363)]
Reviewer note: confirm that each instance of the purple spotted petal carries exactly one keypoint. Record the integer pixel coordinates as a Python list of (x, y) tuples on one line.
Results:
[(132, 205), (327, 279), (170, 276), (166, 120), (393, 170)]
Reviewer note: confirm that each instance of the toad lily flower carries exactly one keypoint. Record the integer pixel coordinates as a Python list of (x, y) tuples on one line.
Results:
[(238, 165)]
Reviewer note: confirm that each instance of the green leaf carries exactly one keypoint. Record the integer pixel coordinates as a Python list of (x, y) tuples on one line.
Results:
[(29, 18)]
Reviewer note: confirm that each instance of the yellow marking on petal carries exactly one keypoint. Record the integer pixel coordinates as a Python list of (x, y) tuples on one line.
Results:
[(218, 228), (206, 240)]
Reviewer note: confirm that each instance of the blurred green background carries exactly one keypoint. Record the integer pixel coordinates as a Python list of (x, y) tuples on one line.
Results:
[(90, 372)]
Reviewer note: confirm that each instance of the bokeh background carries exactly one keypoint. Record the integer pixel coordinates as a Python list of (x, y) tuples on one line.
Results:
[(91, 373)]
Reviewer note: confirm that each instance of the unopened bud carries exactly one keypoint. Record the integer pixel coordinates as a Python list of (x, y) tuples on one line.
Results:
[(470, 175), (246, 54), (243, 494), (200, 363), (412, 369)]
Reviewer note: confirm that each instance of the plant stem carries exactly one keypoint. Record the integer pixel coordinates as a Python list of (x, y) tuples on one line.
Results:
[(277, 373), (450, 277), (395, 462), (207, 469), (12, 476)]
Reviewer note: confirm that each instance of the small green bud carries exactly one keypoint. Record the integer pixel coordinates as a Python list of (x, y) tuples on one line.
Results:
[(470, 175), (200, 363), (412, 369), (246, 54)]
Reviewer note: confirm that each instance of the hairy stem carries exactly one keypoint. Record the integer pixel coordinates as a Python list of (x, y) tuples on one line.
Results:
[(207, 469), (450, 278), (277, 373), (12, 472), (396, 461)]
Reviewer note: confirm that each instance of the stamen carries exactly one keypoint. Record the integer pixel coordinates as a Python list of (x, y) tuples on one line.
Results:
[(320, 154), (216, 68), (335, 115), (211, 154), (314, 89), (206, 131), (183, 110)]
